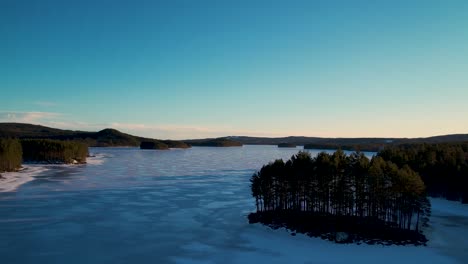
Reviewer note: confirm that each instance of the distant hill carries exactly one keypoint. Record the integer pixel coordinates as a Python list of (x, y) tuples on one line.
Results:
[(362, 144), (111, 138), (105, 138)]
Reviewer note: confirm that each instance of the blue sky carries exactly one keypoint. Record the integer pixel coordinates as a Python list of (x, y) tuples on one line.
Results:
[(189, 69)]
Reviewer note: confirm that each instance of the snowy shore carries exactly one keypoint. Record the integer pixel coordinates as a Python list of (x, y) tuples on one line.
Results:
[(10, 181)]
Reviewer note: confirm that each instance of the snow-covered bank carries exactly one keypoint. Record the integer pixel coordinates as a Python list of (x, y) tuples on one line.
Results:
[(12, 180)]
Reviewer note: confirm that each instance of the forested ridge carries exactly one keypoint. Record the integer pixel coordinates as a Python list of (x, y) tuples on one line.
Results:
[(113, 138), (104, 138), (332, 193)]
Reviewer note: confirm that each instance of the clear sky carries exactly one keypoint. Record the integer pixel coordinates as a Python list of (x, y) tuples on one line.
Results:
[(191, 69)]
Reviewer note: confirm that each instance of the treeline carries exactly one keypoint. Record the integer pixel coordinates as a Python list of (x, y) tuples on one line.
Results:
[(162, 145), (53, 151), (14, 151), (217, 142), (105, 138), (10, 154), (443, 167), (176, 144), (372, 192), (373, 147)]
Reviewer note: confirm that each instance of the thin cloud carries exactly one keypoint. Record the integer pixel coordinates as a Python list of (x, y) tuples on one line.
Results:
[(182, 132), (27, 117), (167, 131), (45, 103)]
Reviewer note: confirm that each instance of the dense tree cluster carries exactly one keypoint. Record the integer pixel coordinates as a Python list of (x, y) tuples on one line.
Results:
[(217, 142), (374, 147), (10, 154), (286, 145), (54, 151), (339, 185), (443, 167)]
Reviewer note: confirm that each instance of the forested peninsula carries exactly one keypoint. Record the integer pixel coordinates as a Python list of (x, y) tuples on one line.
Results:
[(14, 151), (104, 138)]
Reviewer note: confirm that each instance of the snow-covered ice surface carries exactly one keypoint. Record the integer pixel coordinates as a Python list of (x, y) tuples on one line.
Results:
[(448, 232), (180, 206)]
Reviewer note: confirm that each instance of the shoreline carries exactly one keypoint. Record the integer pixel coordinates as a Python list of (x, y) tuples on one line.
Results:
[(10, 181)]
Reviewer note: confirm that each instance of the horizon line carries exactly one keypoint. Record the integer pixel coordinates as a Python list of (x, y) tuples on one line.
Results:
[(240, 135)]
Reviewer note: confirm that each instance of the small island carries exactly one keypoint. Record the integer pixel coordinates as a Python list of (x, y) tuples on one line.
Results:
[(176, 144), (346, 199), (286, 145), (217, 142)]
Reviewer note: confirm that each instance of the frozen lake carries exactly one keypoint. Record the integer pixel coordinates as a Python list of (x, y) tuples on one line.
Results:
[(179, 206)]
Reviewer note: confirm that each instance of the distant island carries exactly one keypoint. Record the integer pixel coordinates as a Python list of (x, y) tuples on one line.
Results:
[(351, 144), (216, 142), (286, 145), (176, 144)]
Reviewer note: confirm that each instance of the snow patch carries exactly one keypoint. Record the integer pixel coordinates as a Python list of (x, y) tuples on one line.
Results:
[(97, 159), (10, 181)]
